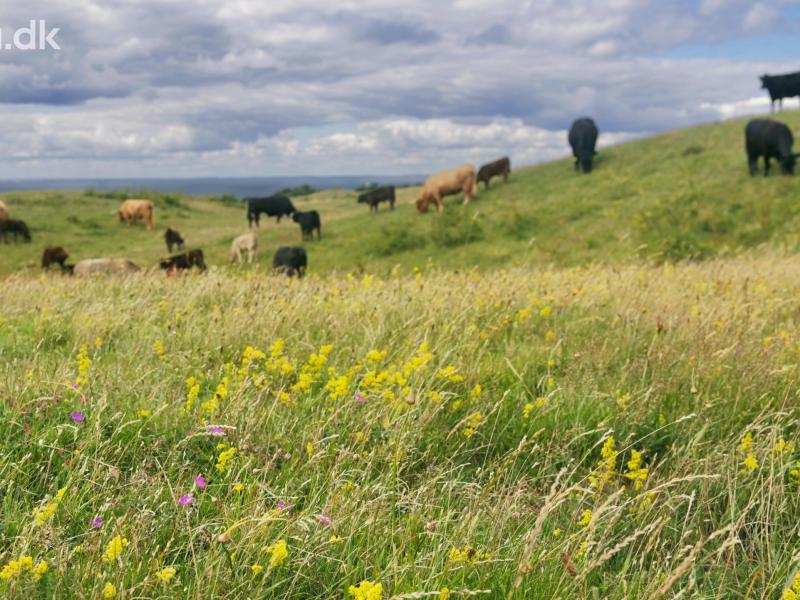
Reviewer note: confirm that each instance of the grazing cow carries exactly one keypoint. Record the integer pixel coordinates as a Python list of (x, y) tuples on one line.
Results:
[(16, 227), (583, 139), (104, 266), (54, 255), (309, 221), (276, 205), (291, 260), (447, 183), (3, 211), (495, 168), (780, 87), (184, 261), (244, 245), (375, 197), (173, 239), (133, 210), (770, 139)]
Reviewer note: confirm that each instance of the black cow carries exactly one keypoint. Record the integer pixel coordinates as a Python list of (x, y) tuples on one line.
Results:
[(54, 255), (173, 239), (16, 227), (309, 221), (780, 87), (501, 166), (291, 260), (376, 196), (183, 262), (583, 139), (276, 205), (770, 139)]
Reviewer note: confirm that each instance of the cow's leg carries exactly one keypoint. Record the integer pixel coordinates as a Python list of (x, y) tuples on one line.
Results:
[(505, 177), (319, 232), (766, 166), (752, 163)]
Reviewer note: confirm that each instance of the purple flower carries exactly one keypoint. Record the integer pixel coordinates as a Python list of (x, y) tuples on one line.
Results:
[(186, 500), (97, 522), (282, 505), (77, 417), (323, 520), (360, 399), (200, 482), (74, 385), (217, 430)]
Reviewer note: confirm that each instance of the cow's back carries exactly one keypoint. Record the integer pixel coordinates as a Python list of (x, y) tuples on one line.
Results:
[(93, 266)]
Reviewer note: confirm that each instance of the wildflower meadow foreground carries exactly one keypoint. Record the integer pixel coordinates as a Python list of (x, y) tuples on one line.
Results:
[(625, 432)]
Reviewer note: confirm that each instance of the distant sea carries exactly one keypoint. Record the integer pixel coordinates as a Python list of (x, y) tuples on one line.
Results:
[(240, 187)]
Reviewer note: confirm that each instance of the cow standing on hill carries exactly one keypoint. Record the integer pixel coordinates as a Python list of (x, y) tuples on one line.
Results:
[(376, 196), (583, 139), (290, 260), (769, 139), (109, 266), (497, 168), (135, 210), (244, 247), (173, 239), (780, 87), (276, 206), (16, 227), (54, 255), (308, 221), (447, 183)]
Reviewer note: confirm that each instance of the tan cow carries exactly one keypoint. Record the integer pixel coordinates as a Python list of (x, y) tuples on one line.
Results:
[(133, 210), (3, 211), (97, 266), (446, 183), (244, 245)]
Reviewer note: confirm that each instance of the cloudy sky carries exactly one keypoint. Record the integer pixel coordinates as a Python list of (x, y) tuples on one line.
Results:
[(310, 87)]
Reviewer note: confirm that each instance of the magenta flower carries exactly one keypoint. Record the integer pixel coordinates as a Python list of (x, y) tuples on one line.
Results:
[(282, 505), (97, 522), (77, 417), (200, 482), (323, 520), (217, 430), (186, 500), (360, 399), (74, 385)]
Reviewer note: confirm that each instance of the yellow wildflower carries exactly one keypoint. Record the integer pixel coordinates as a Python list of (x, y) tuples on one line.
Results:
[(444, 593), (473, 422), (636, 473), (224, 458), (109, 591), (256, 569), (39, 570), (586, 518), (366, 590), (115, 548), (607, 467), (278, 553), (166, 574)]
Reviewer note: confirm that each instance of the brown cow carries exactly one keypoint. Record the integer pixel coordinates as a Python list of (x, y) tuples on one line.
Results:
[(133, 210), (54, 255), (3, 211), (446, 183)]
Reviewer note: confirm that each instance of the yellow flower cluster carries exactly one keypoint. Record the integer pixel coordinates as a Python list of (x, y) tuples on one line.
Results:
[(115, 548), (158, 346), (109, 591), (15, 568), (539, 402), (793, 591), (225, 456), (278, 553), (450, 374), (636, 472), (44, 513), (84, 364), (192, 393), (472, 424), (750, 461), (366, 590), (606, 470), (586, 518), (166, 574), (467, 555)]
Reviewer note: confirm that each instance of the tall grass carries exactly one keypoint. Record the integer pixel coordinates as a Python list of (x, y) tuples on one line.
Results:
[(488, 451)]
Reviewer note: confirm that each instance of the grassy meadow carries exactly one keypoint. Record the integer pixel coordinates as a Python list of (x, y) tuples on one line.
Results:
[(575, 387)]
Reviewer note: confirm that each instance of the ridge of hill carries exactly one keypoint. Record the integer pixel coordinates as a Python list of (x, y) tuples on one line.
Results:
[(680, 195)]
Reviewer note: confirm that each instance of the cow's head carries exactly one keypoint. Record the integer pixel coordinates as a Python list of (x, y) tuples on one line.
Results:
[(422, 203), (586, 161), (788, 163), (764, 79)]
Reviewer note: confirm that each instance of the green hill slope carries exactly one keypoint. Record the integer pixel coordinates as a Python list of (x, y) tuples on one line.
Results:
[(680, 195)]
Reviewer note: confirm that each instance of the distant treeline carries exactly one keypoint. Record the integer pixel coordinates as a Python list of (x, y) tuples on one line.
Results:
[(368, 187), (157, 197)]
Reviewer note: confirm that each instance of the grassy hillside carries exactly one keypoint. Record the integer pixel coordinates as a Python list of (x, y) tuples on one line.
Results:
[(618, 433), (680, 195)]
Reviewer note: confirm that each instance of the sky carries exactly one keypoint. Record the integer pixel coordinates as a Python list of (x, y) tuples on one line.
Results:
[(162, 88)]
